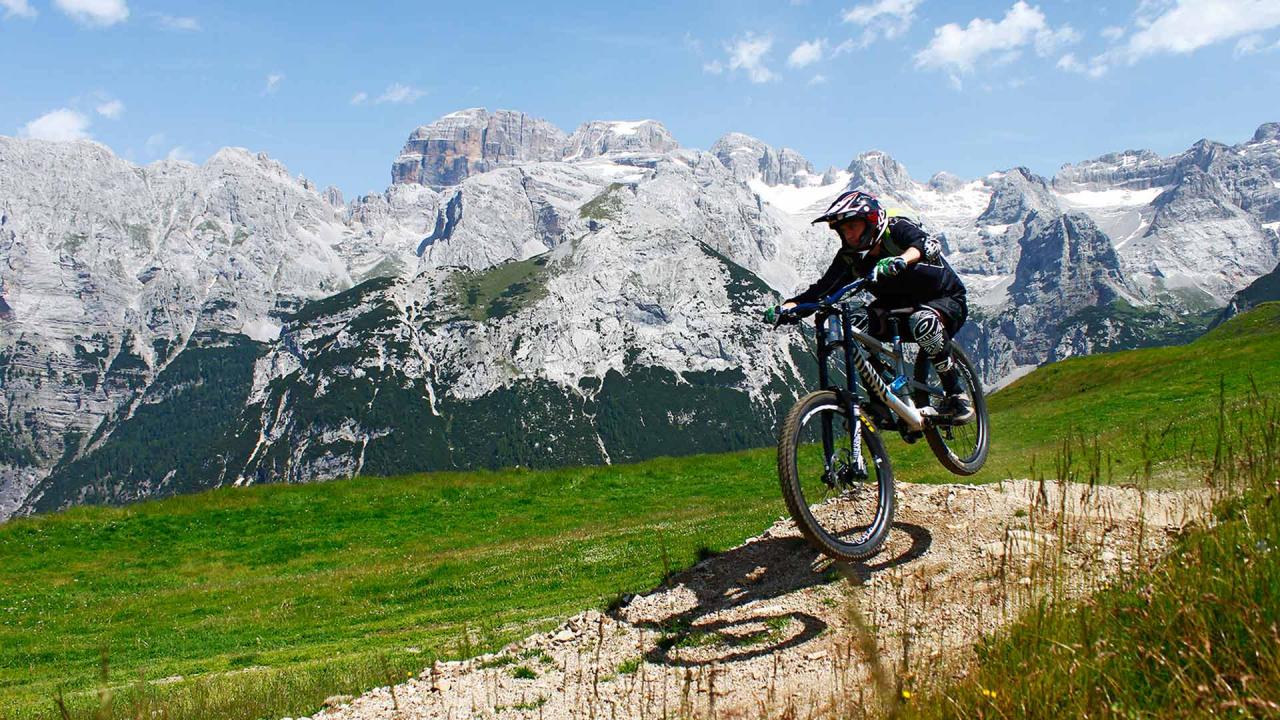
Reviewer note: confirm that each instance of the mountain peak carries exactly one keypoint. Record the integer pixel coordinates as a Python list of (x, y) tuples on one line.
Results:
[(1267, 131), (1016, 195), (749, 158), (474, 140), (244, 160), (604, 137), (876, 172), (945, 181)]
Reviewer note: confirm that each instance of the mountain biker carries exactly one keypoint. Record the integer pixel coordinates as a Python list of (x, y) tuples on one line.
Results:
[(908, 270)]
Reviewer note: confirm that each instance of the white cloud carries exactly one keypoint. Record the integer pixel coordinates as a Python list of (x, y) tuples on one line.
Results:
[(59, 125), (154, 143), (1189, 25), (95, 13), (399, 93), (747, 54), (273, 83), (181, 24), (1254, 44), (807, 53), (17, 8), (359, 98), (1048, 41), (1248, 45), (959, 50), (1112, 32), (882, 18), (818, 79), (110, 109), (178, 152), (1094, 68)]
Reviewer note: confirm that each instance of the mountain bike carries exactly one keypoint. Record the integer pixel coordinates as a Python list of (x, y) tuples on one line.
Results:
[(835, 473)]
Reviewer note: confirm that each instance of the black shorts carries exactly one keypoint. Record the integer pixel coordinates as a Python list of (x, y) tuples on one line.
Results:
[(954, 310)]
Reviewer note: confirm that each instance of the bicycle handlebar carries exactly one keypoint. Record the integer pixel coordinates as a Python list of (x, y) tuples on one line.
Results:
[(829, 300)]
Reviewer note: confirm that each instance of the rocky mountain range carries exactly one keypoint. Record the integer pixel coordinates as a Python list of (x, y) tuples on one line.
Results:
[(522, 296)]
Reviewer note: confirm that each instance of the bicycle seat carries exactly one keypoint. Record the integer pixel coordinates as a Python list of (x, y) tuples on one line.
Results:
[(902, 312)]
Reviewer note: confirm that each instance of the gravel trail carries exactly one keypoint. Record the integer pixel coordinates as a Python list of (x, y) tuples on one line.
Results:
[(770, 628)]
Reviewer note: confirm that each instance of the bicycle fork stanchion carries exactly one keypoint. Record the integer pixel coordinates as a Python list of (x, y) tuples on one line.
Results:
[(851, 383), (828, 438)]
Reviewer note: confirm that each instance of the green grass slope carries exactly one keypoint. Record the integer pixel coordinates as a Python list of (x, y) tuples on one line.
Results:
[(1195, 635), (262, 601)]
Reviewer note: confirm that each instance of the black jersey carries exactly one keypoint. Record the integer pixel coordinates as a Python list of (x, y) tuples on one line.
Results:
[(928, 279)]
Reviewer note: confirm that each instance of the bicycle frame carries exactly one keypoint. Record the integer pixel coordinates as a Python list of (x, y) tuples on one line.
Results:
[(857, 346), (857, 355)]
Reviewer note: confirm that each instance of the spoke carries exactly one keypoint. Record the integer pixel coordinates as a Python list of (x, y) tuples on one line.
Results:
[(846, 510), (961, 440)]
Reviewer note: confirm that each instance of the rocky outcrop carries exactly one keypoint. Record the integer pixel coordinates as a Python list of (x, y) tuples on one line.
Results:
[(749, 158), (1267, 132), (1017, 194), (945, 182), (1130, 169), (879, 174), (467, 142), (1264, 289), (610, 137), (1060, 301), (1066, 264), (333, 196), (6, 312)]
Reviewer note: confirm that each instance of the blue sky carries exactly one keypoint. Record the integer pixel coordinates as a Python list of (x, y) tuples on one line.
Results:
[(333, 89)]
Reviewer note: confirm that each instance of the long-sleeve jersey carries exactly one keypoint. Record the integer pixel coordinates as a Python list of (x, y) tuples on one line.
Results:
[(928, 279)]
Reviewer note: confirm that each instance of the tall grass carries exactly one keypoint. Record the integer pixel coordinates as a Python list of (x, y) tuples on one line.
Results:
[(1196, 634)]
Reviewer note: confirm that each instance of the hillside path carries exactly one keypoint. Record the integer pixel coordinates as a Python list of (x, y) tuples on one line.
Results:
[(770, 628)]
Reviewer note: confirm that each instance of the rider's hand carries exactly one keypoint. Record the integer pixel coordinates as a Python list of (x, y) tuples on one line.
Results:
[(777, 314), (889, 267)]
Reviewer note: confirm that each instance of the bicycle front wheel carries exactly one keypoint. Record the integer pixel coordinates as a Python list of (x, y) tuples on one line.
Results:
[(838, 484)]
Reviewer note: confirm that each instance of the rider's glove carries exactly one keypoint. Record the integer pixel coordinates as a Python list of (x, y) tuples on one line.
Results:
[(777, 316), (891, 266)]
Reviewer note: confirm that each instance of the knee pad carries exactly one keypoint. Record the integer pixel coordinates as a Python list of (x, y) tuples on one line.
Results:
[(929, 332)]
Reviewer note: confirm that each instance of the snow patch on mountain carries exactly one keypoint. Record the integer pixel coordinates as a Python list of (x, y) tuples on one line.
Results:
[(812, 199)]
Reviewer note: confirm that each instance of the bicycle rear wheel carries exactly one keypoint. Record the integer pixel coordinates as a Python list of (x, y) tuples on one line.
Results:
[(962, 449), (842, 501)]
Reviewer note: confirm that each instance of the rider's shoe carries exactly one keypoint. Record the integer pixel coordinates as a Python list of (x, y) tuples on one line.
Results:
[(957, 408)]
